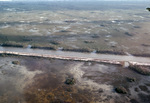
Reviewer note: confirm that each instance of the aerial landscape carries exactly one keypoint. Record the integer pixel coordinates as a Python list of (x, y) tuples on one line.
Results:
[(69, 51)]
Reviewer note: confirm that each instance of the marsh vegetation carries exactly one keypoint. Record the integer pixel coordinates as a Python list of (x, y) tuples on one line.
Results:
[(120, 28), (52, 80), (77, 27)]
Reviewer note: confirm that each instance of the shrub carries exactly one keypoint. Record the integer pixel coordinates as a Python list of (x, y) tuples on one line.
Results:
[(88, 41), (16, 62), (78, 49), (111, 52), (70, 81), (130, 79), (140, 69), (12, 44), (55, 42), (121, 90), (148, 9), (49, 47)]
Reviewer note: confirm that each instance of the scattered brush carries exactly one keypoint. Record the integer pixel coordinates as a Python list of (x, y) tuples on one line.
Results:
[(121, 90), (16, 62), (140, 69), (70, 81)]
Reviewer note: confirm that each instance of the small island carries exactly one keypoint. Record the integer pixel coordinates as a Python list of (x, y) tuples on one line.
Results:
[(148, 9)]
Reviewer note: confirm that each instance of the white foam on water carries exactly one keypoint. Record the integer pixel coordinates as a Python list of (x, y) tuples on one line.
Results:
[(34, 30), (6, 26), (124, 29), (113, 21)]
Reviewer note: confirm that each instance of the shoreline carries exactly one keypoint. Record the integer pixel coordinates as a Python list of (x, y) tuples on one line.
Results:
[(81, 50), (115, 62)]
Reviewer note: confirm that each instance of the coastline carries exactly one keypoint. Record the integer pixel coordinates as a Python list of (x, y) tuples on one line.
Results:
[(60, 56)]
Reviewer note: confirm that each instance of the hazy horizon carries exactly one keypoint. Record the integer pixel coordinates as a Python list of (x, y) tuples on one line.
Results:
[(75, 0)]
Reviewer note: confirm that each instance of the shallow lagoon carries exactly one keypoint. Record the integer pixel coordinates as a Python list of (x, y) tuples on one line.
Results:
[(43, 81)]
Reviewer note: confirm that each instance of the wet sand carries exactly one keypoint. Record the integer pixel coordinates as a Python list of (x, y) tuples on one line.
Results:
[(39, 80)]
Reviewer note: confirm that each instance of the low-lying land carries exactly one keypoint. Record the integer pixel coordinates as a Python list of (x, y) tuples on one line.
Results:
[(77, 27), (31, 79), (140, 69)]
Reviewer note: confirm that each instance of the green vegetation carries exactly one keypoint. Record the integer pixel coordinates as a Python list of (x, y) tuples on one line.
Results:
[(88, 50), (130, 79), (70, 81), (48, 47), (64, 31), (21, 29), (128, 34), (16, 62), (3, 55), (55, 42), (12, 44), (140, 69), (88, 41), (24, 41), (111, 52), (148, 9), (121, 90)]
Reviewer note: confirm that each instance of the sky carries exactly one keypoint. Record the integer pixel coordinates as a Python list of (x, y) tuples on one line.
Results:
[(5, 0), (74, 0)]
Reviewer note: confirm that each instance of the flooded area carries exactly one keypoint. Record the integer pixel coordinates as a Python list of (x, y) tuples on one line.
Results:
[(108, 58), (69, 51), (95, 25), (39, 80)]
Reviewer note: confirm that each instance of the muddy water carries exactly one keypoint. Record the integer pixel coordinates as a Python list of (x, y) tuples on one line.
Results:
[(142, 60), (37, 80)]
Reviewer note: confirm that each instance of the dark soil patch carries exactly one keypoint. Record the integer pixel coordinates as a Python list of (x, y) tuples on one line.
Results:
[(147, 84), (134, 101), (144, 98), (136, 89), (128, 34), (143, 88)]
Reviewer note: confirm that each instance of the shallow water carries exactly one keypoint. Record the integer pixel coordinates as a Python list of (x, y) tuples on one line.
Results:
[(129, 58), (37, 80)]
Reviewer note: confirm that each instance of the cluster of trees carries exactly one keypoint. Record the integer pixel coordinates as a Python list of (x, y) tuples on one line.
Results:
[(148, 9)]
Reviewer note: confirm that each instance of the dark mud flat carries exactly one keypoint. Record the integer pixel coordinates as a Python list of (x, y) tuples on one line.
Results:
[(38, 80)]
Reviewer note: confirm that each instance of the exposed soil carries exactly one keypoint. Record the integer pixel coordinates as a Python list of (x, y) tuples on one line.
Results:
[(44, 81)]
